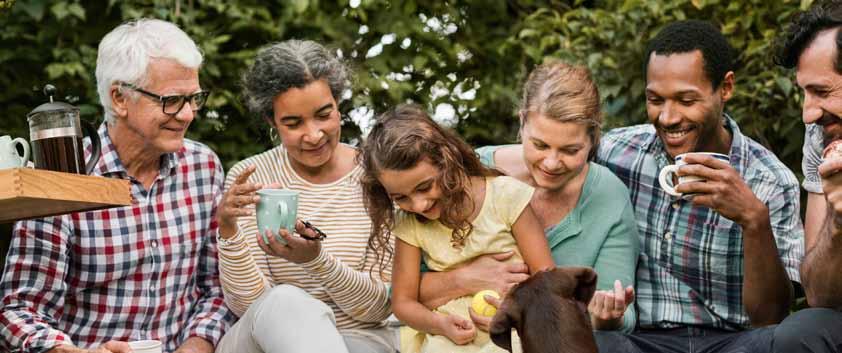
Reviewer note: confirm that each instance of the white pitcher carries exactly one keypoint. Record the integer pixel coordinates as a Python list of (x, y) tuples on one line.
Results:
[(9, 157)]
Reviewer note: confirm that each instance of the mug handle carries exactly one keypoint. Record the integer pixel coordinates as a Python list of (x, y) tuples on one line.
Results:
[(95, 146), (283, 209), (666, 180), (25, 146)]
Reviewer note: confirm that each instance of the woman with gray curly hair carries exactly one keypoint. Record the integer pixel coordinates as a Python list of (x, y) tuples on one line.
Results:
[(301, 292)]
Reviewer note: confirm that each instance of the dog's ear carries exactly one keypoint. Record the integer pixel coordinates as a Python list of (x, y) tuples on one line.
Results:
[(585, 283), (500, 329)]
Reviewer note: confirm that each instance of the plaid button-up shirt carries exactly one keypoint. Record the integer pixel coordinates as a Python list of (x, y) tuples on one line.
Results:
[(145, 271), (691, 266)]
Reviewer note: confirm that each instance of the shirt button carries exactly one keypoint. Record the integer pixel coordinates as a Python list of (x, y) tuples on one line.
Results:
[(154, 243), (675, 205), (668, 235)]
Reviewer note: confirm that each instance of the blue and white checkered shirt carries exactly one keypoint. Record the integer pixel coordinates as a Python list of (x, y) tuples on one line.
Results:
[(691, 266)]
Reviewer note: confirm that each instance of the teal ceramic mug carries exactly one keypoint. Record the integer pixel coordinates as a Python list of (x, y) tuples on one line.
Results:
[(277, 208)]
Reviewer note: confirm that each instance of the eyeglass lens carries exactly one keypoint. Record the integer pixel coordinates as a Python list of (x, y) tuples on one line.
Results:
[(173, 104)]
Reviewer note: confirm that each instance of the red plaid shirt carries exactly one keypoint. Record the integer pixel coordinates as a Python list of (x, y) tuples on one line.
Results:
[(145, 271)]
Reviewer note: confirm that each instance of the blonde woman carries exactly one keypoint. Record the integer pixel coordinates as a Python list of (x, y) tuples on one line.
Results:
[(583, 208)]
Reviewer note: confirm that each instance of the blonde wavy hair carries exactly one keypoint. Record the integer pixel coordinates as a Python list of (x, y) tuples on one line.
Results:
[(564, 93)]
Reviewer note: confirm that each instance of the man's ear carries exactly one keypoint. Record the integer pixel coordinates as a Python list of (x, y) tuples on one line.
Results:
[(119, 101), (500, 329), (726, 88), (585, 284)]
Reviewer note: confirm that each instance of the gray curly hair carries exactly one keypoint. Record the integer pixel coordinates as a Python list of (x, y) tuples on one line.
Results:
[(290, 64)]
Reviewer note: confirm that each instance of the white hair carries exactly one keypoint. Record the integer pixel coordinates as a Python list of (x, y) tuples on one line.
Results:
[(125, 52)]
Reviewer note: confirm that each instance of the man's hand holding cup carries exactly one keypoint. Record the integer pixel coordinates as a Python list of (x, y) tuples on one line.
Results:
[(707, 179)]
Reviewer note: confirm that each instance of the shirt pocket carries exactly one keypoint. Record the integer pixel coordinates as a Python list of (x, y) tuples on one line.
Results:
[(182, 252)]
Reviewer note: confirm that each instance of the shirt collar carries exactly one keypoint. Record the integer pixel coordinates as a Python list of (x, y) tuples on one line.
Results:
[(110, 163)]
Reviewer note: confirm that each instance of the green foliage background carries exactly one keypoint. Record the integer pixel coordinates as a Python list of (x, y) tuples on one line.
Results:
[(473, 54)]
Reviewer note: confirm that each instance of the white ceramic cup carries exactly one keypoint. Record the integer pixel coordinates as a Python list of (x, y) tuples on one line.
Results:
[(146, 346), (665, 177)]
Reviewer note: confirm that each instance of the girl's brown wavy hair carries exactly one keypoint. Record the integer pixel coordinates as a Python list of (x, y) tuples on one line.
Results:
[(400, 139)]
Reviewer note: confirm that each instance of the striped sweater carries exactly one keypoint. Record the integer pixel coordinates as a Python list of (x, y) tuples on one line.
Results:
[(338, 276)]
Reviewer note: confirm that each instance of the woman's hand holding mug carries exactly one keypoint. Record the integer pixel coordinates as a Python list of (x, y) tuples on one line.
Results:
[(237, 202)]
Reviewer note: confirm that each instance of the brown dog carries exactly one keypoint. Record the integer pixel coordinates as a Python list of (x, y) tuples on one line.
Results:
[(549, 311)]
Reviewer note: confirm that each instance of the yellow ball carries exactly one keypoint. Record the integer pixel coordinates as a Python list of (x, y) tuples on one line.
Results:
[(482, 307)]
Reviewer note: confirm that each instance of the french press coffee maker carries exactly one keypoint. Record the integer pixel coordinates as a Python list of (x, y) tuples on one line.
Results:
[(55, 131)]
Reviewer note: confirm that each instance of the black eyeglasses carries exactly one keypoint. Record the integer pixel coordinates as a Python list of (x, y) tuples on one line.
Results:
[(171, 105)]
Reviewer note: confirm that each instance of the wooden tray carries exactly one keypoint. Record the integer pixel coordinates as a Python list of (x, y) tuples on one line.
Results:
[(31, 193)]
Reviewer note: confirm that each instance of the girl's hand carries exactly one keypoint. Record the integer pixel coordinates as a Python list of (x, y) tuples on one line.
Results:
[(483, 322), (608, 307), (296, 250), (460, 331)]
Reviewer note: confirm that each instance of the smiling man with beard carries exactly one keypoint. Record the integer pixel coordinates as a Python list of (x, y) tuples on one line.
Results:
[(811, 44), (717, 266)]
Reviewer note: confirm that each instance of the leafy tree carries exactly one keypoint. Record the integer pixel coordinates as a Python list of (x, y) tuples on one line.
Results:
[(463, 57)]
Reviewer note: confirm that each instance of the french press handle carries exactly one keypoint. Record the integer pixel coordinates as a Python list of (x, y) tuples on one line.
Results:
[(93, 159)]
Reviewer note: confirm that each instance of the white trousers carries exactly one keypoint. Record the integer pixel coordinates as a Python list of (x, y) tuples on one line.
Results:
[(286, 319)]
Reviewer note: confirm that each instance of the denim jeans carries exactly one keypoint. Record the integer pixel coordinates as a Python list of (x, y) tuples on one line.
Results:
[(686, 340), (810, 330)]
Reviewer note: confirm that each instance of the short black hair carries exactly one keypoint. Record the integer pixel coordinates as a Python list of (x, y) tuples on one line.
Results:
[(802, 30), (687, 36)]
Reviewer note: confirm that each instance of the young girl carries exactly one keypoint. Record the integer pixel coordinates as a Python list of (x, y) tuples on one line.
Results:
[(453, 209)]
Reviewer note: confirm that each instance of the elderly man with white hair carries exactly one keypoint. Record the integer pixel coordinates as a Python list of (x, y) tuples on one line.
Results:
[(94, 281)]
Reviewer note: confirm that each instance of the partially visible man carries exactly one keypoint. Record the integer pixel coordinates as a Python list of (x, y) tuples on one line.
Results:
[(812, 44), (717, 268), (92, 281)]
